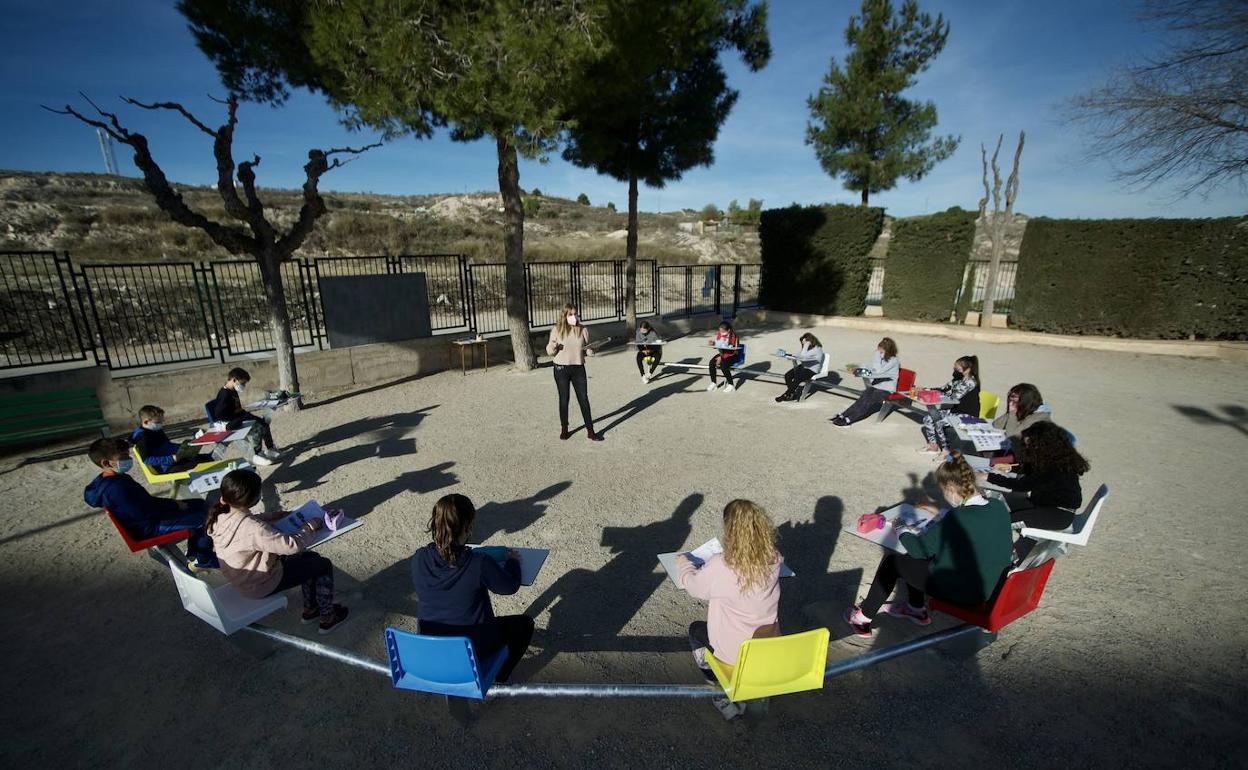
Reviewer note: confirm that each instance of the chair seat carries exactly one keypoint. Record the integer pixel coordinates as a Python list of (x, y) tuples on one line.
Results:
[(156, 477), (1018, 595), (222, 607), (444, 665), (136, 545), (776, 665)]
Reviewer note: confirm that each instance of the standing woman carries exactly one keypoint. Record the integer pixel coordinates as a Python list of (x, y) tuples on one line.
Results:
[(882, 377), (569, 344)]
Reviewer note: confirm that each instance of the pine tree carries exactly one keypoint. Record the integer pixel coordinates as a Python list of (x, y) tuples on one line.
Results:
[(861, 127), (650, 105)]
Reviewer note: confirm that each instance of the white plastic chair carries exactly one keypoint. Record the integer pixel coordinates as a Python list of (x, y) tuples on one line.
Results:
[(223, 608), (1080, 529)]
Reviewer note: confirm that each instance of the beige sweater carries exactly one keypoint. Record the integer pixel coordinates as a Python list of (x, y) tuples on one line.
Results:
[(573, 351), (248, 547)]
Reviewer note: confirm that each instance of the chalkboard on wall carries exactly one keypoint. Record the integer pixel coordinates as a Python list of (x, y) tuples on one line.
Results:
[(361, 309)]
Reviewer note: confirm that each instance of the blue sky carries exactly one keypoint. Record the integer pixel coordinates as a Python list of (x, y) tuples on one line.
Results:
[(1008, 65)]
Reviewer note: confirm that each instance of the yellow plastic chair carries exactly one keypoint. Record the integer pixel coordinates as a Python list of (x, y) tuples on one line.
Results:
[(776, 666), (988, 403), (177, 478)]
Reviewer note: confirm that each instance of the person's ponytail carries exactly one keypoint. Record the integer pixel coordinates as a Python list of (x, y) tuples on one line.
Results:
[(215, 510), (956, 472)]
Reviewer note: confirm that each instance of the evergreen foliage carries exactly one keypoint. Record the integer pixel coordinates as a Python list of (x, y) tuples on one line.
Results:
[(815, 258)]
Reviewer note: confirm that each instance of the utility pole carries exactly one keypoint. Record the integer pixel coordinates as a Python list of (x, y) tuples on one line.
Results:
[(106, 149)]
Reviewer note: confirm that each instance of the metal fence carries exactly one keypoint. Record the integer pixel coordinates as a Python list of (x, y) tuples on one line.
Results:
[(1004, 295), (128, 316), (875, 284)]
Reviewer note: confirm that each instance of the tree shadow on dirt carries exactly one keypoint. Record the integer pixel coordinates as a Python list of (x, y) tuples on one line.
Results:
[(808, 547), (370, 430), (1232, 416), (590, 608)]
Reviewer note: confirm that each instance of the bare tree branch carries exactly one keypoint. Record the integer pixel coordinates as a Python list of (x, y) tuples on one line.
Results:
[(174, 106), (313, 205)]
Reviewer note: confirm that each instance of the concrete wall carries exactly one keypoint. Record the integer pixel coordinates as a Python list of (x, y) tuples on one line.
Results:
[(182, 392)]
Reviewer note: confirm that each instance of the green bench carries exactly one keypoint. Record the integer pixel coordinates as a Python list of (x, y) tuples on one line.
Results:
[(32, 417)]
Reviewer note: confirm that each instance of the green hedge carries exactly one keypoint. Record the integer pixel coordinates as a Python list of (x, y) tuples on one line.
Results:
[(1159, 279), (815, 258), (926, 259)]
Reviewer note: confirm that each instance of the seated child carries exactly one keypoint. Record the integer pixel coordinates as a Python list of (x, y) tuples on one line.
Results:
[(726, 342), (652, 353), (806, 364), (959, 558), (260, 560), (453, 586), (1045, 492), (964, 388), (143, 515), (228, 408), (742, 586), (157, 451), (1024, 407), (881, 376)]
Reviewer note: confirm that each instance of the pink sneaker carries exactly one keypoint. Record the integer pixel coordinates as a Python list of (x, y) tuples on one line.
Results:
[(918, 615), (859, 624)]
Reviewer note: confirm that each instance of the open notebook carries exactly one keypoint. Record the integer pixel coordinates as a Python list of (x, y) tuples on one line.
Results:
[(311, 510), (699, 555), (531, 559)]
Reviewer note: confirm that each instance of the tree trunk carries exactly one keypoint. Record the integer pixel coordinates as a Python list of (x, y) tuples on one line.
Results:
[(865, 196), (513, 248), (630, 267), (279, 323), (996, 231)]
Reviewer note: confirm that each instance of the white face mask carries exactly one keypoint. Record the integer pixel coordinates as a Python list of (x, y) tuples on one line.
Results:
[(240, 387), (155, 426), (572, 320)]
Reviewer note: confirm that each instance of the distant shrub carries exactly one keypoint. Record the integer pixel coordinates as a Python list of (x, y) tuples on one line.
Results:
[(610, 206), (582, 199), (710, 213), (532, 204), (815, 257), (1150, 278), (926, 259), (536, 192)]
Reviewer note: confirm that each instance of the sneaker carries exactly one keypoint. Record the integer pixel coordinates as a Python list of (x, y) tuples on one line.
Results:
[(259, 459), (840, 422), (712, 386), (859, 624), (203, 562), (333, 621), (644, 379), (595, 436), (308, 617), (272, 454), (916, 615), (728, 388), (726, 707), (564, 435)]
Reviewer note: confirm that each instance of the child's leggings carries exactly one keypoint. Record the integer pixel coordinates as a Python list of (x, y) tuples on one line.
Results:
[(934, 432), (724, 365), (315, 574)]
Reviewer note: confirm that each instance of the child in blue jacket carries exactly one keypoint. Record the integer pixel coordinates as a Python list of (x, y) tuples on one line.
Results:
[(143, 515), (154, 446)]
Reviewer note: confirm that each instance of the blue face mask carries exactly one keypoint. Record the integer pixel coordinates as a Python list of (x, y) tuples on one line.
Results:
[(155, 426), (124, 465)]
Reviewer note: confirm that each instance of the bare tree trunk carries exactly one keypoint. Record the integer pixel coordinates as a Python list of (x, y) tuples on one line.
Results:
[(630, 254), (513, 247), (866, 196), (996, 233), (1000, 222), (279, 323)]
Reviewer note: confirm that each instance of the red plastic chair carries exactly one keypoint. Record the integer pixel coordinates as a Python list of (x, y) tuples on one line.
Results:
[(905, 381), (140, 545), (1018, 595)]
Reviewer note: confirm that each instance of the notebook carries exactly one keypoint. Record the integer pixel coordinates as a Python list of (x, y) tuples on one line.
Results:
[(531, 559), (699, 556), (291, 523)]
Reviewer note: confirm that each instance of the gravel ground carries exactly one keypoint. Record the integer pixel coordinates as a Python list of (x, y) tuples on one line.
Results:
[(1135, 657)]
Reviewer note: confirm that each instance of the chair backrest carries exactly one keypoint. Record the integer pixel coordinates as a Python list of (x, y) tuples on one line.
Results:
[(197, 598), (446, 665), (775, 665), (739, 361), (905, 380), (1019, 595), (1085, 521), (825, 366), (1069, 436), (208, 411), (138, 545), (988, 403)]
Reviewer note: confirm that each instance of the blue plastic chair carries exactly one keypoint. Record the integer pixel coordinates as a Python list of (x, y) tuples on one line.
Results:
[(208, 411), (1069, 436), (740, 362), (446, 665)]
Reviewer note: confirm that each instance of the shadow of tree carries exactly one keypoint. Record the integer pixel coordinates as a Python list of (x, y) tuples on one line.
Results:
[(1233, 416), (814, 596), (423, 481), (641, 403)]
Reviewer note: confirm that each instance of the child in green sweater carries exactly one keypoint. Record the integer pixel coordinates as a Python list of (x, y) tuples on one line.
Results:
[(959, 558)]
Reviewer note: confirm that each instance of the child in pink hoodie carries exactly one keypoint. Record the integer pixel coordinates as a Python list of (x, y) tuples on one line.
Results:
[(742, 586)]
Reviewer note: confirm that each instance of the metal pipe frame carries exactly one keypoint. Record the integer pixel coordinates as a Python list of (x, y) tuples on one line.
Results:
[(559, 690)]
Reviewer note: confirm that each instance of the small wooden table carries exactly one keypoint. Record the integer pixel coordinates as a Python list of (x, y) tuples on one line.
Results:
[(467, 345)]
